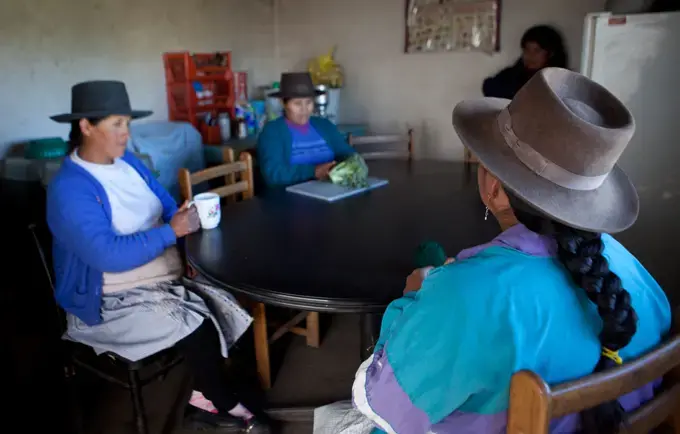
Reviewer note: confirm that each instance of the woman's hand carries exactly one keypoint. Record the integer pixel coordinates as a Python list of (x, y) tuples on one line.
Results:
[(415, 280), (185, 221), (321, 171), (191, 272)]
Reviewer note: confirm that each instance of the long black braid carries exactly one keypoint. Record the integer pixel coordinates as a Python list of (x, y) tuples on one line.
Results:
[(581, 254)]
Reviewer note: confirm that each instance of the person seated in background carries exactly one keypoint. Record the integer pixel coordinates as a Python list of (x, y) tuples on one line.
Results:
[(299, 147), (119, 273), (554, 293), (542, 46)]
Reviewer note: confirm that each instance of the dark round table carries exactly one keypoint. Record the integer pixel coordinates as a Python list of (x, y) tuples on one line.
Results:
[(349, 256), (353, 256)]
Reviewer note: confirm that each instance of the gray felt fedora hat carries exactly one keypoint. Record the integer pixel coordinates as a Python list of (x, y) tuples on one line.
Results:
[(555, 146)]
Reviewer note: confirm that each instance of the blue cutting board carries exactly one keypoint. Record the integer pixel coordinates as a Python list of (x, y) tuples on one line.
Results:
[(329, 192)]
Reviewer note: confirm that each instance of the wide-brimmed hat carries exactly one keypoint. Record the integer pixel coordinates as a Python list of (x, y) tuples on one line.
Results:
[(555, 146), (98, 99), (297, 85)]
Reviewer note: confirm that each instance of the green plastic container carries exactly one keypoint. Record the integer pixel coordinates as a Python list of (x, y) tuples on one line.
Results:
[(45, 149)]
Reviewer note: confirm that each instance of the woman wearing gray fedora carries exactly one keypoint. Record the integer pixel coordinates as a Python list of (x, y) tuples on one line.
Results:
[(554, 293), (298, 146), (119, 273)]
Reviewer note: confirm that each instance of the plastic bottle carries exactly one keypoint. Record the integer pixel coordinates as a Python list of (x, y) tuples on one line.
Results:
[(242, 128), (225, 126)]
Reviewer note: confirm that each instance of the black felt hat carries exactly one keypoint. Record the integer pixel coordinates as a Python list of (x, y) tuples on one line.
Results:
[(297, 85), (98, 99)]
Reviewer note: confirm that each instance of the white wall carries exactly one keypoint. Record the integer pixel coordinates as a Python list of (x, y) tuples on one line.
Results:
[(48, 45), (389, 89)]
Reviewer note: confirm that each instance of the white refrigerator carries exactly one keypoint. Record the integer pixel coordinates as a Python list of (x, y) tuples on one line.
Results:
[(637, 57)]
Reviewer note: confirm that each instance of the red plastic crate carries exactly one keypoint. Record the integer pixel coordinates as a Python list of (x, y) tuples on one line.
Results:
[(184, 69), (241, 86), (211, 134), (185, 66)]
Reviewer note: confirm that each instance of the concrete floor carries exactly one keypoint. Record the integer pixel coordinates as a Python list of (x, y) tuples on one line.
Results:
[(306, 378)]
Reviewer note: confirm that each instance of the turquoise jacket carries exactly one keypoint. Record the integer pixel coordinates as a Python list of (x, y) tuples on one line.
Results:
[(275, 144), (446, 353)]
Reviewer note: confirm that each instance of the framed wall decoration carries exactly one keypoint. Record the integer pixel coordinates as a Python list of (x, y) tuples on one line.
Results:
[(452, 25)]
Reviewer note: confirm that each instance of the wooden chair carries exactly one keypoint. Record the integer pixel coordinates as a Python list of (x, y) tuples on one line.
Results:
[(244, 186), (243, 168), (469, 160), (384, 146), (263, 340), (533, 404), (469, 157)]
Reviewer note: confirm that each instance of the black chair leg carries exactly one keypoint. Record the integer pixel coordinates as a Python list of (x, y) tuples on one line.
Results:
[(137, 402), (74, 404)]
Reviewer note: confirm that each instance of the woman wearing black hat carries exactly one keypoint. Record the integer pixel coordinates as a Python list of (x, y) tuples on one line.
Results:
[(299, 147), (119, 274)]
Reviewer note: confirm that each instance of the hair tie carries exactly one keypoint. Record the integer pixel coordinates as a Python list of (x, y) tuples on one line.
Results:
[(612, 355)]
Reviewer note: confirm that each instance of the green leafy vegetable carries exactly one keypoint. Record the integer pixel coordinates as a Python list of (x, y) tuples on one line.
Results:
[(351, 173)]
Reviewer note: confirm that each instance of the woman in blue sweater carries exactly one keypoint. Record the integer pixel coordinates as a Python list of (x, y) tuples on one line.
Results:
[(299, 147), (119, 274)]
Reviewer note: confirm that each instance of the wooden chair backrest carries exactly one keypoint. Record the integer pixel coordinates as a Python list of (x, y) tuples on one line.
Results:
[(533, 404), (469, 157), (238, 177), (395, 145)]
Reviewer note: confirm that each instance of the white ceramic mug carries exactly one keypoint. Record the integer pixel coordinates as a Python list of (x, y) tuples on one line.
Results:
[(209, 210)]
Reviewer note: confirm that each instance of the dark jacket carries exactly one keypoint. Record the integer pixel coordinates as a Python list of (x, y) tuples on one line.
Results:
[(506, 83)]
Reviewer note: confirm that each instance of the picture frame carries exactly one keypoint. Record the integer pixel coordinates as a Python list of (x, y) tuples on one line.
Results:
[(452, 25)]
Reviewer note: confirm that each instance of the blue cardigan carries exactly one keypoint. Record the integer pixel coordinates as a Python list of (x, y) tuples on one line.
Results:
[(275, 145), (84, 243)]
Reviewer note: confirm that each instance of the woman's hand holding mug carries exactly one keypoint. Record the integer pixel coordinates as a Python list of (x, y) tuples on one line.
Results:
[(185, 221)]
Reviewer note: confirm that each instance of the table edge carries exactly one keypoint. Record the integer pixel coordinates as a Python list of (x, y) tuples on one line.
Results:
[(292, 301)]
